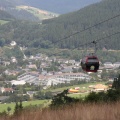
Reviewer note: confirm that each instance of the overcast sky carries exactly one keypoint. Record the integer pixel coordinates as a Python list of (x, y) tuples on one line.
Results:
[(60, 6)]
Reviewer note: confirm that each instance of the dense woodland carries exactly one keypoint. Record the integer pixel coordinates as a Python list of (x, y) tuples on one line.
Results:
[(50, 33), (5, 16)]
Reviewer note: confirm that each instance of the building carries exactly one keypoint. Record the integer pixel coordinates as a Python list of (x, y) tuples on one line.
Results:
[(63, 78), (116, 64), (29, 77), (13, 43), (2, 89), (31, 93), (15, 82), (108, 65)]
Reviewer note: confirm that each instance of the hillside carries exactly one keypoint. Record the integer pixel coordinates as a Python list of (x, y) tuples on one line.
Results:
[(50, 33), (24, 12)]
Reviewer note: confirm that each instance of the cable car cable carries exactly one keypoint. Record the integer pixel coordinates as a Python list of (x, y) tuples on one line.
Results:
[(86, 28), (88, 43)]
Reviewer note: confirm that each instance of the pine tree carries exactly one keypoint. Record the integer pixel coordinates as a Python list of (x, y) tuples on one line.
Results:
[(16, 108), (20, 106), (116, 83)]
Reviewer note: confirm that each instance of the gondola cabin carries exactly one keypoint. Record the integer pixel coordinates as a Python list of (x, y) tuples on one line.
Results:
[(90, 63)]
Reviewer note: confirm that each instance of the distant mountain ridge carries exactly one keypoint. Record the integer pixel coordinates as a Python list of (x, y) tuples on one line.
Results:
[(55, 6), (59, 6), (17, 9)]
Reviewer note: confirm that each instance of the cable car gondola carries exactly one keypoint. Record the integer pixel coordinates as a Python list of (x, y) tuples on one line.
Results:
[(90, 63)]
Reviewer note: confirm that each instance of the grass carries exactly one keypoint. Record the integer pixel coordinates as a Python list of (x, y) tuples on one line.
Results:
[(82, 86), (82, 95), (3, 22), (102, 111), (3, 107), (36, 12)]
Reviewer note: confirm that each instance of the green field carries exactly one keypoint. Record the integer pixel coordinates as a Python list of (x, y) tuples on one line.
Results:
[(84, 87), (3, 107), (78, 95)]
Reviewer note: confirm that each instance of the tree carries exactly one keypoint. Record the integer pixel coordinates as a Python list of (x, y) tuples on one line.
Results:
[(62, 99), (16, 108), (8, 109), (116, 83), (20, 106)]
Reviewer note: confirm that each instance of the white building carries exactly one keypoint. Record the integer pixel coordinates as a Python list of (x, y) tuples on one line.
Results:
[(29, 77), (108, 65), (13, 60), (13, 43), (64, 78), (15, 82), (116, 64)]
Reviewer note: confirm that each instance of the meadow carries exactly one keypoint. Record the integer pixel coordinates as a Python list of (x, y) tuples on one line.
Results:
[(3, 107)]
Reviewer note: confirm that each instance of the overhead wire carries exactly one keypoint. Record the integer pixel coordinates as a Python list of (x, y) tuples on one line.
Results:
[(66, 37), (88, 43)]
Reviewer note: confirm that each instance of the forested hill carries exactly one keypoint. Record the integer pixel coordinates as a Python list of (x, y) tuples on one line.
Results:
[(5, 16), (48, 33)]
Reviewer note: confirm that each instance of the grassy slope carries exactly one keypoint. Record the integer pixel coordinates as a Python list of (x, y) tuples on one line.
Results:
[(41, 14), (3, 107)]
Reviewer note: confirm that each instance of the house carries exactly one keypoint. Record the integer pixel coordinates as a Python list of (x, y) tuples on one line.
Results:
[(11, 72), (16, 82), (71, 62), (6, 63), (67, 70), (116, 64), (77, 64), (13, 60), (108, 65), (13, 43), (31, 66), (31, 93), (8, 90), (2, 89)]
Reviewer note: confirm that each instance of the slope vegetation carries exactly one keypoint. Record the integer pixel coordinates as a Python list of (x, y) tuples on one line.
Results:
[(50, 32)]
